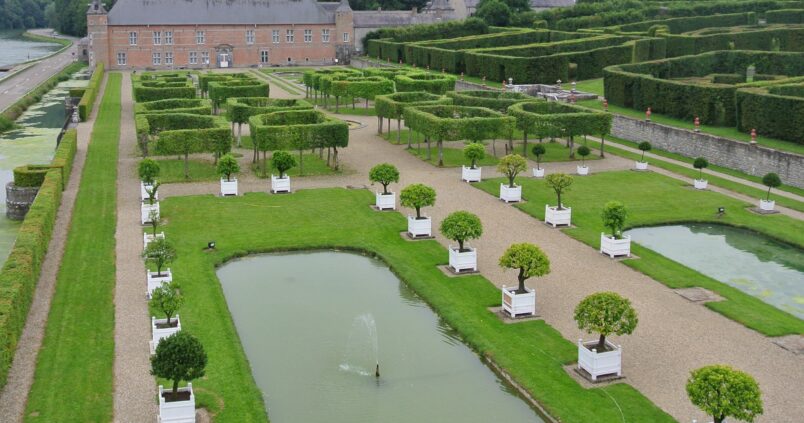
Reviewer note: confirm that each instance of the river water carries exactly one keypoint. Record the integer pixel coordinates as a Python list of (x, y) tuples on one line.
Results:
[(16, 49)]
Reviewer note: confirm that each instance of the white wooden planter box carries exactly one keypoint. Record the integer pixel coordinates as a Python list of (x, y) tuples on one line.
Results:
[(767, 205), (471, 175), (385, 202), (518, 304), (420, 227), (228, 187), (641, 165), (460, 261), (599, 364), (538, 173), (583, 170), (144, 193), (148, 238), (555, 217), (157, 334), (155, 281), (145, 212), (615, 247), (700, 183), (511, 195), (280, 184), (177, 411)]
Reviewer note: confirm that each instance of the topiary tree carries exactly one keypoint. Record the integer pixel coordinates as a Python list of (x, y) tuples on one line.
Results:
[(227, 166), (510, 166), (417, 196), (583, 151), (721, 391), (529, 259), (385, 174), (644, 146), (538, 151), (148, 170), (167, 299), (179, 357), (282, 161), (160, 252), (700, 163), (461, 226), (560, 183), (606, 313), (614, 215), (153, 220), (473, 152), (771, 180), (151, 191)]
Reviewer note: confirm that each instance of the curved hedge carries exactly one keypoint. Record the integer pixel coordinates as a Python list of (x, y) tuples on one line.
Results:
[(30, 175), (453, 123), (90, 92), (431, 83), (495, 100), (196, 106)]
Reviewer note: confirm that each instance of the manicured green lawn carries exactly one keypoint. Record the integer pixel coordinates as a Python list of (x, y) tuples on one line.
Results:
[(313, 164), (291, 89), (653, 199), (73, 380), (532, 352), (453, 157), (172, 171), (594, 86), (346, 107)]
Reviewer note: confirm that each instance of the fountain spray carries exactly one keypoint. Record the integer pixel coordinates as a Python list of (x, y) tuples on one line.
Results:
[(377, 371)]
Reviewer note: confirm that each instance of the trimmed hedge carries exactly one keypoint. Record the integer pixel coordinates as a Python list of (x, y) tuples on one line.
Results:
[(374, 47), (689, 23), (787, 16), (219, 91), (65, 154), (454, 123), (495, 100), (552, 119), (30, 175), (196, 106), (297, 130), (772, 115), (763, 39), (146, 94), (205, 78), (392, 106), (240, 109), (428, 82), (88, 99), (185, 134)]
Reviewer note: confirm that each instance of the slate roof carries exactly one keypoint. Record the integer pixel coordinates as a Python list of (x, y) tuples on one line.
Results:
[(208, 12)]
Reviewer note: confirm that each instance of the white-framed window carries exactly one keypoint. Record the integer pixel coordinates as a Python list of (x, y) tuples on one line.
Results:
[(249, 36), (289, 36), (169, 38), (193, 58), (275, 36), (264, 57), (168, 57), (324, 35), (345, 37), (157, 38), (205, 57), (121, 58), (156, 58), (132, 38), (308, 35), (199, 37)]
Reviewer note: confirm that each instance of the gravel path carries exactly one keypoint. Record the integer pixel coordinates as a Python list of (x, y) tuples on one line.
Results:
[(20, 378)]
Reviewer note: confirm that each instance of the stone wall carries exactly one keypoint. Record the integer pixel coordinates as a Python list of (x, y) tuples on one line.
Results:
[(751, 159), (19, 200)]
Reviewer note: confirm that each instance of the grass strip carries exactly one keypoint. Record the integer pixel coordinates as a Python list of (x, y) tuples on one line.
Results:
[(654, 199), (532, 352), (73, 380), (278, 81)]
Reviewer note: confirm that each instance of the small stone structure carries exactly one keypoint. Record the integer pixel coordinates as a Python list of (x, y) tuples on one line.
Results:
[(19, 200)]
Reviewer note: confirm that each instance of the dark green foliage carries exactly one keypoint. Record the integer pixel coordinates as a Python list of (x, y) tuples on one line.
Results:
[(494, 12), (417, 196), (644, 146), (385, 174), (771, 180), (614, 215), (298, 130), (179, 357), (461, 226), (282, 161), (429, 82), (606, 313), (196, 106), (148, 170), (393, 106), (788, 16), (721, 392), (227, 166), (384, 49), (90, 93), (528, 259), (240, 109)]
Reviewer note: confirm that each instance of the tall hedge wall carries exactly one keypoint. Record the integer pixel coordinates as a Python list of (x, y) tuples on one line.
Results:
[(298, 130), (451, 29), (774, 115), (219, 91), (787, 16), (240, 109), (453, 123), (494, 100), (429, 82), (763, 39), (690, 23), (143, 94), (392, 106), (544, 119), (196, 106), (90, 93)]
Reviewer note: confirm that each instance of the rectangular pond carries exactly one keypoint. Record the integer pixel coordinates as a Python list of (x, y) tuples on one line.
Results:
[(746, 260), (314, 325)]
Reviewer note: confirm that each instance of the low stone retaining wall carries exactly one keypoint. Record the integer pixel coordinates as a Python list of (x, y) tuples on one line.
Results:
[(751, 159), (19, 200)]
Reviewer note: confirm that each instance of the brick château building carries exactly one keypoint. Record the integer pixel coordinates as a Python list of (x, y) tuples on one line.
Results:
[(199, 34)]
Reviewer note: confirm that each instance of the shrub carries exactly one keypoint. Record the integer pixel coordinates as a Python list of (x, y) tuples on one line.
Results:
[(90, 93), (282, 161), (461, 226), (560, 183), (160, 252), (771, 180), (529, 259), (606, 313), (473, 152), (510, 166), (721, 391), (614, 215), (644, 146), (148, 170), (30, 175), (583, 151), (417, 196), (179, 357), (385, 174), (538, 151), (700, 163), (494, 12), (227, 166), (167, 299)]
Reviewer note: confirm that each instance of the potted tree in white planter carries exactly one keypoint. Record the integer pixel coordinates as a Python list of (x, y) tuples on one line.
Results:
[(700, 163), (583, 151), (228, 166), (614, 215), (282, 161), (771, 180), (147, 238), (461, 226), (721, 391), (148, 170), (558, 215), (167, 299), (417, 196), (150, 208), (510, 166), (641, 164), (179, 357), (159, 253), (531, 261), (538, 151), (604, 313), (473, 152), (384, 174)]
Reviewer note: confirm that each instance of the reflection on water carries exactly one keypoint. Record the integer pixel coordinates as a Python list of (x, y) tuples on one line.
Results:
[(743, 259), (313, 326), (16, 49)]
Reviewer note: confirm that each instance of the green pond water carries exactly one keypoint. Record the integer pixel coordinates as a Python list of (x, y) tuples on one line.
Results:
[(748, 261), (14, 48), (314, 325)]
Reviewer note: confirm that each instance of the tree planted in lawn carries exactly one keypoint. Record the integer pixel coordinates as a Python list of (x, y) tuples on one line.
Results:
[(282, 161), (538, 151), (644, 146), (700, 163), (583, 151), (560, 183), (721, 391), (473, 152), (160, 252), (771, 180), (417, 196), (167, 299), (179, 357), (461, 226), (384, 174), (529, 259), (227, 166), (614, 215), (606, 313), (148, 170), (510, 166)]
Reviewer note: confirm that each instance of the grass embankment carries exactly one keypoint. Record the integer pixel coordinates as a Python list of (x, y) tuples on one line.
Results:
[(73, 380), (654, 199), (47, 39), (532, 352)]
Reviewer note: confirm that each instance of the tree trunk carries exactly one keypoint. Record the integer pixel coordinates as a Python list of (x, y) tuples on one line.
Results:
[(603, 146), (168, 318), (175, 387), (601, 344), (410, 135), (398, 131), (367, 103), (239, 134), (440, 153), (525, 143), (418, 213), (301, 162), (719, 419), (389, 128), (511, 143), (337, 103), (329, 153), (460, 245), (494, 147), (572, 147), (264, 174), (427, 141), (335, 157), (521, 278), (186, 166), (558, 194), (379, 125)]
